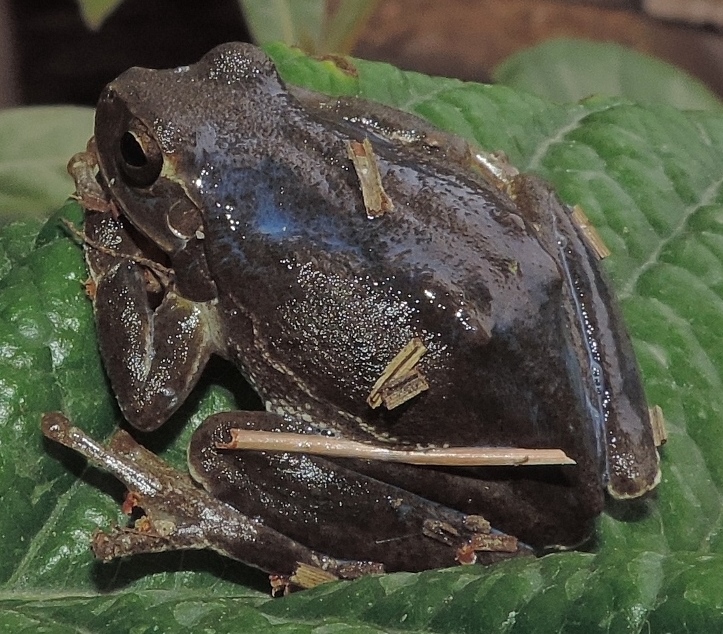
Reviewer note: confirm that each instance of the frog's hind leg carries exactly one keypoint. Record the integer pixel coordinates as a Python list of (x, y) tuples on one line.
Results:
[(174, 514), (334, 508)]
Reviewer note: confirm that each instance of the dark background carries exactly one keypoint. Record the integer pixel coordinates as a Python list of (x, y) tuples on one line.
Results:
[(47, 55)]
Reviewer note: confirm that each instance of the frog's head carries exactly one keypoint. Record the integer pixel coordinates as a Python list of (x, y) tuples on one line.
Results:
[(161, 135)]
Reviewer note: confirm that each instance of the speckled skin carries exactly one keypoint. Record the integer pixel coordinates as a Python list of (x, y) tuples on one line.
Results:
[(256, 207)]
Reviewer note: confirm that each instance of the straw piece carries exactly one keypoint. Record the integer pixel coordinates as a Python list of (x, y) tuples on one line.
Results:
[(343, 448), (376, 201), (401, 380), (589, 233), (657, 422)]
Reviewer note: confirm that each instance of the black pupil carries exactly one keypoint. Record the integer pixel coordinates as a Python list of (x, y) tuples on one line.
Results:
[(132, 151)]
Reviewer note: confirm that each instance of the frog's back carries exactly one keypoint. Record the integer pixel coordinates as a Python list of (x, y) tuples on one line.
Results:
[(339, 294)]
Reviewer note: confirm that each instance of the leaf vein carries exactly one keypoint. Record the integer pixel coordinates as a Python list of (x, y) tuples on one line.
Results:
[(542, 149), (42, 535), (707, 197)]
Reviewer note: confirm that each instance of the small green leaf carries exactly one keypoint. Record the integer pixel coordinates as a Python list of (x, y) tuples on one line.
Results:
[(316, 26), (295, 22), (95, 12), (567, 70)]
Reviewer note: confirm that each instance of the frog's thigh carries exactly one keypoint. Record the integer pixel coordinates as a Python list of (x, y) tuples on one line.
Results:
[(326, 506)]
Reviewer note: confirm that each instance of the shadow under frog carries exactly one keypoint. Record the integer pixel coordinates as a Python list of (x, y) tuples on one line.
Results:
[(230, 220)]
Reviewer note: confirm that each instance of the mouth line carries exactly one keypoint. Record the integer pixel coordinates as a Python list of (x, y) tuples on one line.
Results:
[(94, 193)]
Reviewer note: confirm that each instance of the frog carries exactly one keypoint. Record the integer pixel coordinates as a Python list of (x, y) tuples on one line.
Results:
[(310, 241)]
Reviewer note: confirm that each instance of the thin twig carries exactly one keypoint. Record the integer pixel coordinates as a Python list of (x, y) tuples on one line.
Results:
[(342, 448)]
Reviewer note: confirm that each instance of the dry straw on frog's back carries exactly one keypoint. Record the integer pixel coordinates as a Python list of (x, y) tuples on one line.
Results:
[(376, 200), (401, 379)]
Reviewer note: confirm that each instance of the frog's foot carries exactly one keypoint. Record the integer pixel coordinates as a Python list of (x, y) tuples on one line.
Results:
[(83, 168), (171, 513), (483, 539)]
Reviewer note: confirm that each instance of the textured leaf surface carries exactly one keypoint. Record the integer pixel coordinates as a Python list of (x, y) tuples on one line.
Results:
[(568, 70), (649, 177)]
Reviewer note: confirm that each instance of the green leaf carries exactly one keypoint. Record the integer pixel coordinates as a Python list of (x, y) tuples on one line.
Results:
[(650, 178), (35, 145), (316, 26), (296, 22), (567, 70), (95, 12)]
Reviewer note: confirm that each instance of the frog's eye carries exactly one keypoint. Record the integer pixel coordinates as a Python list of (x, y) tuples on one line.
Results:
[(139, 157)]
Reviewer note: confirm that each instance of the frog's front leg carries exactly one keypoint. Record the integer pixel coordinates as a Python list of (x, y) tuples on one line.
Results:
[(153, 354), (153, 357), (333, 508), (177, 515)]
